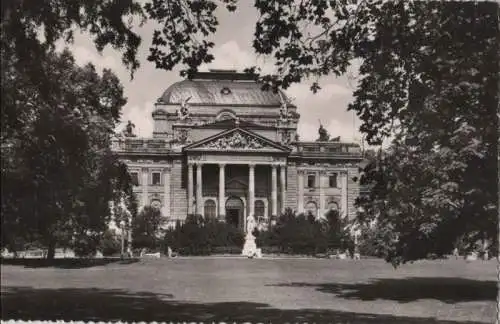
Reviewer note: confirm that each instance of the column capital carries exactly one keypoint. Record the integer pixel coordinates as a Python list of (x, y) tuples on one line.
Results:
[(251, 165), (222, 164), (144, 169)]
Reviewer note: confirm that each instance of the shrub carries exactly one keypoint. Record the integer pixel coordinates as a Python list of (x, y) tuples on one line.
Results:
[(199, 237), (303, 234), (110, 243)]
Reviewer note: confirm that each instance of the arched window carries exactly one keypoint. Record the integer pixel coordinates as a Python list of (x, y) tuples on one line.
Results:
[(209, 209), (311, 208), (333, 206), (259, 208), (156, 204), (226, 114)]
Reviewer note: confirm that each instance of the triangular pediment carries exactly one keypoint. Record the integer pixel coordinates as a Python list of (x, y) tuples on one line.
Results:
[(236, 184), (237, 139)]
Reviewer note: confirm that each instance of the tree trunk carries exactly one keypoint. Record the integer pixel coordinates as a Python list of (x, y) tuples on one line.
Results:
[(51, 250)]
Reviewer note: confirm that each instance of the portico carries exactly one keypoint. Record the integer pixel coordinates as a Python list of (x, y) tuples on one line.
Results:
[(247, 194)]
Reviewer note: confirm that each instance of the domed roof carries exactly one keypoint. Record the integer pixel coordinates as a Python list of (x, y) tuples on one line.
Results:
[(221, 88)]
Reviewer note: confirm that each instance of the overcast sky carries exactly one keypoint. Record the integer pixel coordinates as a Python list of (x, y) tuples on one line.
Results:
[(233, 50)]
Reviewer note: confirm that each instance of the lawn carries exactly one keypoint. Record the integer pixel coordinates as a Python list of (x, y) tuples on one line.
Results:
[(233, 289)]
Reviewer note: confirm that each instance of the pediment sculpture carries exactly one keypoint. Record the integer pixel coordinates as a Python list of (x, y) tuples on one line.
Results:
[(235, 141)]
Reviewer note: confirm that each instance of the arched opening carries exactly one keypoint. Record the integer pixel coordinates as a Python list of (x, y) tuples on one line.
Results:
[(209, 209), (311, 209), (332, 205), (234, 211)]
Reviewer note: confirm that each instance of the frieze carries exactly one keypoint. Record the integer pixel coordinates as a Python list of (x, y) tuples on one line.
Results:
[(236, 141)]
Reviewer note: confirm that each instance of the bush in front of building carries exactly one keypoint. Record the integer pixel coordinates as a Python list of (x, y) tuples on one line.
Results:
[(305, 235), (198, 236), (110, 244)]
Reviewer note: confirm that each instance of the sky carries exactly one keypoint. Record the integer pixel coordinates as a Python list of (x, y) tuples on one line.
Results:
[(233, 50)]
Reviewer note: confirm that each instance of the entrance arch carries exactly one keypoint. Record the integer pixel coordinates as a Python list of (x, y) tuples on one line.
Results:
[(234, 211)]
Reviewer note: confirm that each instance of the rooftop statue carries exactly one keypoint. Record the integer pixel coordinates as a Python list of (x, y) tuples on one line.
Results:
[(184, 111), (129, 130), (323, 134), (283, 109)]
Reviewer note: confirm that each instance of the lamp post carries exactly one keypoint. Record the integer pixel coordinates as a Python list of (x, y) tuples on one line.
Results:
[(122, 227), (129, 245)]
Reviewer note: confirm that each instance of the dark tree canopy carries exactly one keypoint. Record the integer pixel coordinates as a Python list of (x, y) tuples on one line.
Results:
[(59, 174)]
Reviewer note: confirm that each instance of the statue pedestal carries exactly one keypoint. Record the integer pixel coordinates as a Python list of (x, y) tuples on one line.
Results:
[(250, 248)]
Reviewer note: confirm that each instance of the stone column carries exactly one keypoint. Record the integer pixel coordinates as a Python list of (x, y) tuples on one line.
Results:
[(190, 188), (300, 191), (251, 190), (321, 210), (283, 187), (145, 184), (274, 191), (344, 208), (166, 192), (199, 193), (222, 191)]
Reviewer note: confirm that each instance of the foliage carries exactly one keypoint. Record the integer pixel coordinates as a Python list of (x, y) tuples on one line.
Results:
[(181, 35), (428, 76), (200, 237), (110, 243), (59, 172), (86, 245), (301, 234), (146, 228)]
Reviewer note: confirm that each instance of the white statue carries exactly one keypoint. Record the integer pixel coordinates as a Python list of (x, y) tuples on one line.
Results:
[(184, 111), (251, 224), (250, 248)]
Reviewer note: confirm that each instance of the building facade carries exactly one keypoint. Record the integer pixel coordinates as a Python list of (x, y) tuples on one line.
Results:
[(224, 148)]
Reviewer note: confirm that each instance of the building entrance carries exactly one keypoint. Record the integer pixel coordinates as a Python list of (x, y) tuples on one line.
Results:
[(234, 212)]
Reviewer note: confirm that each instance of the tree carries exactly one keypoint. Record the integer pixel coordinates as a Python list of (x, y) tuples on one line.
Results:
[(429, 77), (59, 171), (146, 228)]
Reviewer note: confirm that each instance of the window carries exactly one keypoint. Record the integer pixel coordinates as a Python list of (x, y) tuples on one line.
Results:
[(209, 209), (156, 204), (156, 178), (311, 181), (135, 178), (259, 208), (332, 180)]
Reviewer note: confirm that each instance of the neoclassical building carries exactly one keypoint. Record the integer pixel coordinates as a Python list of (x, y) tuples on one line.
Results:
[(223, 148)]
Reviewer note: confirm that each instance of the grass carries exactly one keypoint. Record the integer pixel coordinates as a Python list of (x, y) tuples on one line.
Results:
[(230, 289)]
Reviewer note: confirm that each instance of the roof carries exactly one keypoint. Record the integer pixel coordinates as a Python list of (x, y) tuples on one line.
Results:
[(221, 88)]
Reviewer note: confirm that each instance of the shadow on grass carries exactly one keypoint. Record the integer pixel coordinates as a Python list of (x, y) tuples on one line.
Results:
[(446, 289), (111, 305), (68, 263)]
